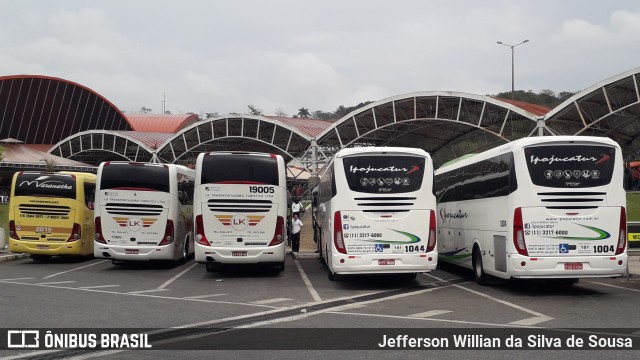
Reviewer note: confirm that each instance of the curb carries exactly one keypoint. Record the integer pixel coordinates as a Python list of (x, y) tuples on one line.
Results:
[(11, 257), (305, 255)]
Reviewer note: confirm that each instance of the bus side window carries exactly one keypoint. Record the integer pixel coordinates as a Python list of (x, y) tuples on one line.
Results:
[(89, 195), (185, 192)]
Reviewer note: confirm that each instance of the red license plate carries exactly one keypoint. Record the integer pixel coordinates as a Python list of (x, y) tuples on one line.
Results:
[(42, 247), (238, 253), (573, 266), (132, 251), (386, 262)]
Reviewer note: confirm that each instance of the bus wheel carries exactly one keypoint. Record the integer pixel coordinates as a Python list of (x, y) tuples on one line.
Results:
[(185, 253), (333, 277), (212, 267), (41, 258), (478, 269), (280, 267), (410, 276)]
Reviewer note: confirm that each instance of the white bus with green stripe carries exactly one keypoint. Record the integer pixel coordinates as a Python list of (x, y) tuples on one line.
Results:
[(542, 207), (376, 212)]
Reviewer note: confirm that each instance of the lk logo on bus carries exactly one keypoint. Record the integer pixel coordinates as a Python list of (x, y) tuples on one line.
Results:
[(135, 223), (239, 221)]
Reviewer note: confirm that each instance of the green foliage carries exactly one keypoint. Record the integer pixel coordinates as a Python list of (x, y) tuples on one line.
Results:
[(303, 113), (633, 206), (254, 110), (1, 152), (145, 110)]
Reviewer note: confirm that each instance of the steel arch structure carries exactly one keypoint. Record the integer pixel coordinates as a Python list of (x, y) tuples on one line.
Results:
[(95, 146), (234, 132), (609, 108), (445, 124)]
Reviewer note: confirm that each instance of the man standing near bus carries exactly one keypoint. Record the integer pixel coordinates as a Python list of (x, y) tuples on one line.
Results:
[(296, 227)]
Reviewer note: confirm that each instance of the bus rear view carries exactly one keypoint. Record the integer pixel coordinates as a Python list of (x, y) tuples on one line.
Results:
[(377, 212), (240, 208), (574, 223)]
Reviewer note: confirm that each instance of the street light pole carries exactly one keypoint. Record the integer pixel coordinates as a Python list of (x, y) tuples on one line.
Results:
[(512, 63)]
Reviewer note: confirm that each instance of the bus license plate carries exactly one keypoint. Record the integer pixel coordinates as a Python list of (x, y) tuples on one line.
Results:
[(386, 262), (42, 247), (238, 253), (573, 266), (132, 251)]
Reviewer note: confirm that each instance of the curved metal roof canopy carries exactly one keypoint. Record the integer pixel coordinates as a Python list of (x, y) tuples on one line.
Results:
[(233, 132), (93, 147), (44, 110), (609, 108), (445, 124)]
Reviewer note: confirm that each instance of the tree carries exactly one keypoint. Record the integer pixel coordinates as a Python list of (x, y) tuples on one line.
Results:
[(253, 110), (1, 153), (210, 115), (281, 113), (49, 165), (303, 113), (318, 114), (145, 110)]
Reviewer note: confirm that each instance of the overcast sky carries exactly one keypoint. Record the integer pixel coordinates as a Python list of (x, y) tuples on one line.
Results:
[(220, 56)]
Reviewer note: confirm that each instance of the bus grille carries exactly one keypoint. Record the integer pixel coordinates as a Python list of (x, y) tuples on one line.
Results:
[(133, 209), (242, 206), (48, 210), (387, 204), (572, 200)]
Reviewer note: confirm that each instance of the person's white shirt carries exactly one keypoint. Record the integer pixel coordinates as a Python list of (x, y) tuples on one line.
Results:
[(296, 206), (296, 226)]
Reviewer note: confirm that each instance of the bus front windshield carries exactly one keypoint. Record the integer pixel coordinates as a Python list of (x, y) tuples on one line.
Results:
[(51, 185), (570, 166), (378, 174)]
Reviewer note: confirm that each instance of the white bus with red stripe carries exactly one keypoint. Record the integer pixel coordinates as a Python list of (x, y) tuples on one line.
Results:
[(144, 212), (376, 212), (543, 207), (240, 208)]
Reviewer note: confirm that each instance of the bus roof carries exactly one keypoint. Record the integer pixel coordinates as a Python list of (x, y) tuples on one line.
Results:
[(521, 143), (380, 149)]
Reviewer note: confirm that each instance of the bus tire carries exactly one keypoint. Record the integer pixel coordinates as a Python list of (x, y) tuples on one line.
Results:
[(410, 276), (41, 258), (280, 267), (478, 269), (185, 253), (212, 267)]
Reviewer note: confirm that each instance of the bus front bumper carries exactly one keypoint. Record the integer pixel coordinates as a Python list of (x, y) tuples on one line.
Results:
[(45, 248), (383, 263), (240, 255), (128, 253), (558, 267)]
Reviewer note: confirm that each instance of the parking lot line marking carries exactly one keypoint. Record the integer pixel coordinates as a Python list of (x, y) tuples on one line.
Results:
[(307, 282), (146, 291), (614, 286), (504, 302), (55, 282), (16, 279), (531, 321), (177, 276), (431, 313), (204, 296), (134, 293), (270, 301), (97, 286), (81, 267), (426, 319)]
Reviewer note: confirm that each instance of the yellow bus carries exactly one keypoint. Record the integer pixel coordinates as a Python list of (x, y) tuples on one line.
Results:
[(51, 214)]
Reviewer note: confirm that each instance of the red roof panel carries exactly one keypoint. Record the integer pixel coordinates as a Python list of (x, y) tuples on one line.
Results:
[(535, 109), (161, 123)]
